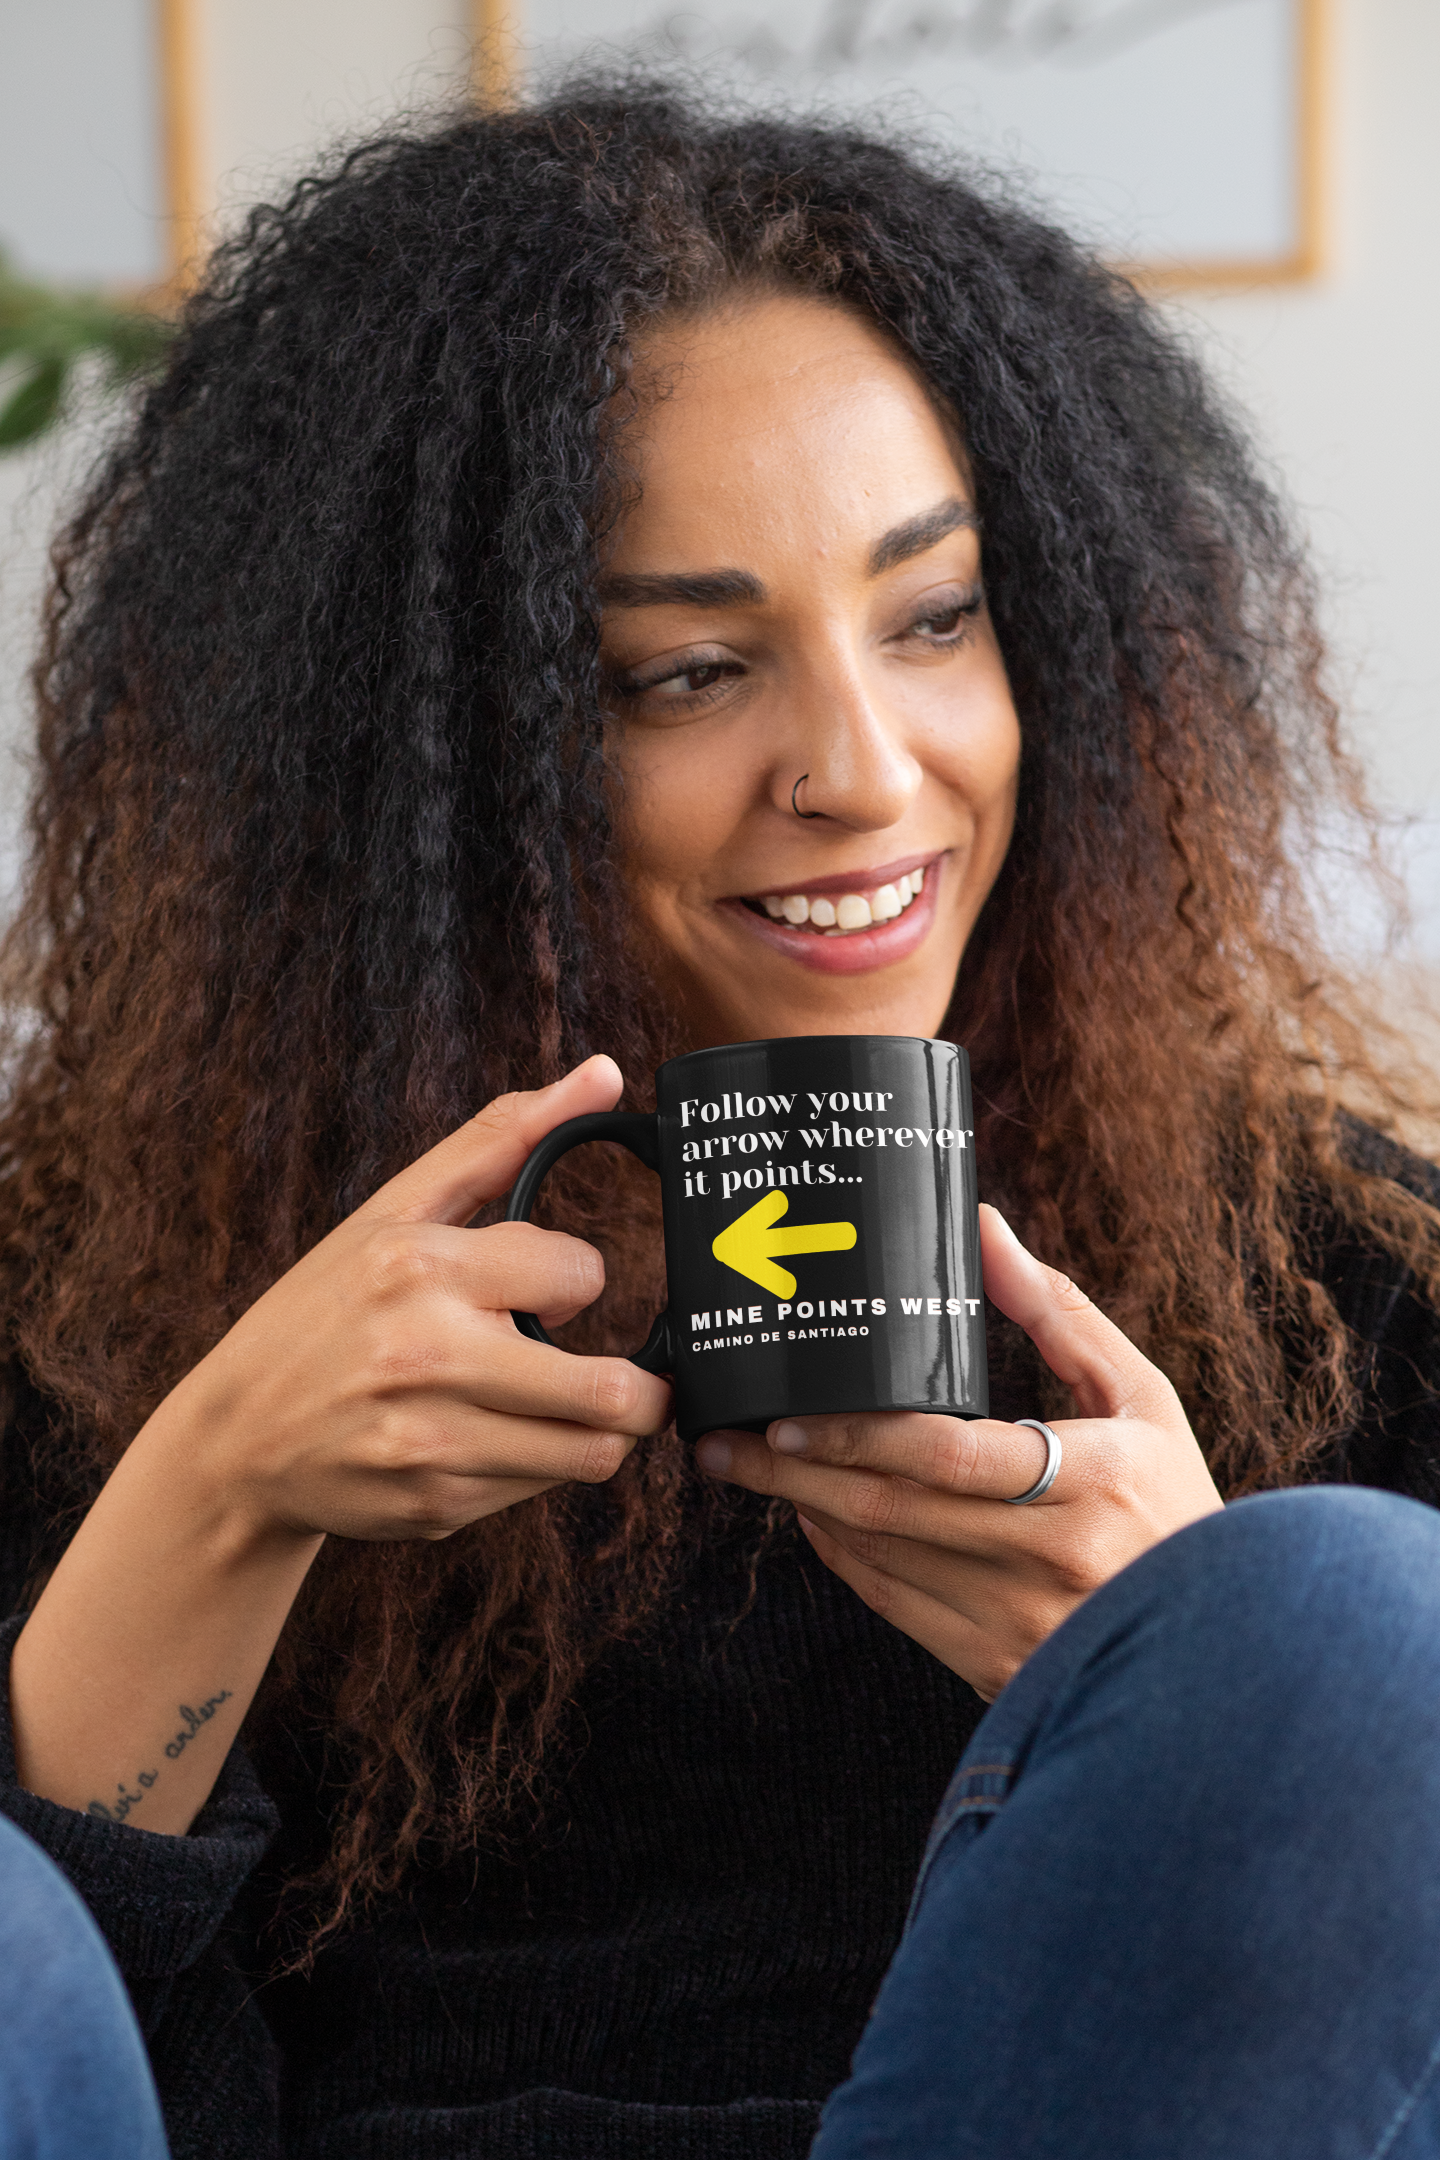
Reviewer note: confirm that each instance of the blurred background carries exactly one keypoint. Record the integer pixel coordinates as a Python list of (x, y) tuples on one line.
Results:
[(1269, 168)]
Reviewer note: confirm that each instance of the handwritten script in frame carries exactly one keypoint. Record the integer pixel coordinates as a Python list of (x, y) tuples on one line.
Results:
[(1180, 134)]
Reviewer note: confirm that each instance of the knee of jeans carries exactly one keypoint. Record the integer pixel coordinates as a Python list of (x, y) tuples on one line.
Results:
[(1325, 1566)]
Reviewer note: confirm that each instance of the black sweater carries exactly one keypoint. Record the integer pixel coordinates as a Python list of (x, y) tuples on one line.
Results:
[(678, 1962)]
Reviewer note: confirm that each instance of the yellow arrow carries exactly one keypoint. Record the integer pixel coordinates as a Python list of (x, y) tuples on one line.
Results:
[(746, 1245)]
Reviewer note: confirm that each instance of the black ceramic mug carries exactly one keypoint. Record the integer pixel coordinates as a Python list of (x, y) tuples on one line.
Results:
[(822, 1235)]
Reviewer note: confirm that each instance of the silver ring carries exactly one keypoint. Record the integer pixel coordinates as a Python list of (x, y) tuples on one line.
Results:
[(1052, 1461), (795, 805)]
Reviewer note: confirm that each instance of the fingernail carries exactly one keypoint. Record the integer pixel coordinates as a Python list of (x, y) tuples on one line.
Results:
[(789, 1438), (596, 1057), (805, 1522), (715, 1456)]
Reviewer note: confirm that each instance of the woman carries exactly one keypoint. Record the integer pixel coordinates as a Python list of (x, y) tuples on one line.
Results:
[(545, 582)]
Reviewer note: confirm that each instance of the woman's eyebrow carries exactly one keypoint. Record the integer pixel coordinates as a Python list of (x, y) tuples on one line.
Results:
[(701, 588), (921, 532), (740, 588)]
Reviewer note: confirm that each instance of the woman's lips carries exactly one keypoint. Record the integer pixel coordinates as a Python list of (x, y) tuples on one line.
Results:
[(860, 950)]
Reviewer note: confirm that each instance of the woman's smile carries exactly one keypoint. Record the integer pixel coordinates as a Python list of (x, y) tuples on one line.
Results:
[(850, 921), (814, 738)]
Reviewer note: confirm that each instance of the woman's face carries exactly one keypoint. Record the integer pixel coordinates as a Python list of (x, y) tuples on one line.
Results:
[(797, 591)]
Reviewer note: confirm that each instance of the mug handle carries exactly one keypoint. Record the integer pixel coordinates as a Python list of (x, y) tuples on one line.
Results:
[(631, 1129)]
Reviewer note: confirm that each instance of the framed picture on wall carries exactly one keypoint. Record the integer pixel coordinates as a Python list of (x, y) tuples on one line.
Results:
[(97, 141), (1181, 135)]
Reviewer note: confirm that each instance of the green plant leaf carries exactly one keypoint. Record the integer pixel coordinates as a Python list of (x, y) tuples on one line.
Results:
[(45, 330), (34, 405), (134, 341)]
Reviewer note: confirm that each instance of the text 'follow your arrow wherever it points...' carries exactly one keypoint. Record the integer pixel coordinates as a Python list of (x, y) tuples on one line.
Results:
[(750, 1243)]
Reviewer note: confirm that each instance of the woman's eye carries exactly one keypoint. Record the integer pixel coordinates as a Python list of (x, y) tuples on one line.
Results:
[(676, 683), (948, 622), (693, 679)]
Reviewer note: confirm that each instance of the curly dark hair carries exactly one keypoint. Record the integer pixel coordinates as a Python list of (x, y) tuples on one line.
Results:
[(322, 844)]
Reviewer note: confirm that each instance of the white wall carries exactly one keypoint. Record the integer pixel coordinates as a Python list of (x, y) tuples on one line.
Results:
[(1339, 374)]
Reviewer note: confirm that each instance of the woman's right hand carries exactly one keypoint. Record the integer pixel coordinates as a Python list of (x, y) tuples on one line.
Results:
[(380, 1389)]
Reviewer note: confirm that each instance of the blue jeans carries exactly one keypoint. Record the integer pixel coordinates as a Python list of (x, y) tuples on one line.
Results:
[(1182, 1898), (1181, 1901), (74, 2080)]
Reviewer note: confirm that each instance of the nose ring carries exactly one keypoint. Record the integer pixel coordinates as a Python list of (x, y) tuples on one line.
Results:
[(795, 805)]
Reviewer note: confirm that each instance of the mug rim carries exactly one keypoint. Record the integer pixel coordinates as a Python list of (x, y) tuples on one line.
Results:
[(777, 1042)]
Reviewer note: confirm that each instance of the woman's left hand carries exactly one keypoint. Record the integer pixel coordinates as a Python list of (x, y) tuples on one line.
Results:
[(909, 1508)]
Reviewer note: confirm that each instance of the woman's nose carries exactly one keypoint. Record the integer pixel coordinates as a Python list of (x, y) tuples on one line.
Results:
[(858, 769)]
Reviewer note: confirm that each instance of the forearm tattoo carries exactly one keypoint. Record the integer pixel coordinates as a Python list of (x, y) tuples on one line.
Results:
[(125, 1802)]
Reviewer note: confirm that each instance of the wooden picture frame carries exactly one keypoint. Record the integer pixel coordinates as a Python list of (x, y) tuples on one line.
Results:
[(1308, 258), (493, 30), (178, 41), (500, 27), (101, 184)]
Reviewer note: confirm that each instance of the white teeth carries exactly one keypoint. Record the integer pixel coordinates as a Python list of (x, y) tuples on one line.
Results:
[(852, 911)]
